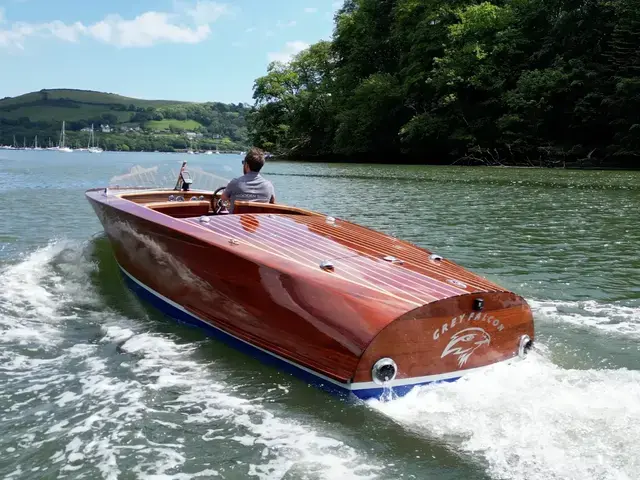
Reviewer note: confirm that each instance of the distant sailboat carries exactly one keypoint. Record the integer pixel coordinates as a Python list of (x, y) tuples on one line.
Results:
[(35, 144), (93, 147), (10, 147), (7, 147), (63, 137)]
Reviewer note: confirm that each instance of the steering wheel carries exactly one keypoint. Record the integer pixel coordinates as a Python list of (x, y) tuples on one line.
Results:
[(217, 205)]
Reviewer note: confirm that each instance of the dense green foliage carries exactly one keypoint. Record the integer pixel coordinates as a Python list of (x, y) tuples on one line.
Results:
[(527, 82), (135, 124)]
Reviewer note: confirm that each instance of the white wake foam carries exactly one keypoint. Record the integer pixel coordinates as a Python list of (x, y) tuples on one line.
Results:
[(133, 402), (533, 419), (41, 291), (609, 318), (203, 401), (168, 408)]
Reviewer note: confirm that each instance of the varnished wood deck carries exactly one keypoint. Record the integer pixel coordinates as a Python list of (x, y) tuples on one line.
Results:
[(356, 253)]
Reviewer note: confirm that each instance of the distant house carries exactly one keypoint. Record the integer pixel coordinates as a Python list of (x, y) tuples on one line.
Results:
[(105, 128), (85, 129), (190, 135), (128, 129)]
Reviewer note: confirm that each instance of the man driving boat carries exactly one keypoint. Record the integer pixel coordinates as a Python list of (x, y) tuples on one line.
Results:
[(250, 187)]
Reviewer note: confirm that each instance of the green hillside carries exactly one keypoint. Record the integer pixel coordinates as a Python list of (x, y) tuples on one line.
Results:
[(85, 96), (72, 105), (167, 123), (140, 121)]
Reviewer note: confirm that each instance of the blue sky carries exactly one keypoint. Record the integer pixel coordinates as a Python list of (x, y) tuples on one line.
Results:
[(200, 50)]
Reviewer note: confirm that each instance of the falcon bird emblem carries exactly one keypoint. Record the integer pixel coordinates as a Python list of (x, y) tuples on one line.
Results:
[(465, 342)]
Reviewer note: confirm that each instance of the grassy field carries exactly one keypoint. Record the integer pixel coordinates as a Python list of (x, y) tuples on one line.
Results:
[(86, 96), (39, 113), (86, 104), (170, 122)]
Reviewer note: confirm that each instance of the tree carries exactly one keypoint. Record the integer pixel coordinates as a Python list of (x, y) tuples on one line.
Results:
[(624, 100), (531, 82), (296, 104), (109, 118)]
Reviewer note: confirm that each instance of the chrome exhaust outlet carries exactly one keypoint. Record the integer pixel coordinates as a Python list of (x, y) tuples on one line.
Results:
[(384, 370), (525, 345)]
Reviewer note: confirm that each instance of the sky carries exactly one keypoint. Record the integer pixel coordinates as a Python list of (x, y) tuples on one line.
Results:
[(200, 50)]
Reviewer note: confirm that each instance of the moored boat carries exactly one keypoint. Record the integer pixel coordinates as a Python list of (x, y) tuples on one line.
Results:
[(93, 146), (344, 307), (62, 147)]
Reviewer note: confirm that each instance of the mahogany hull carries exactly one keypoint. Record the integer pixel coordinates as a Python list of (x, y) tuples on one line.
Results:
[(254, 282)]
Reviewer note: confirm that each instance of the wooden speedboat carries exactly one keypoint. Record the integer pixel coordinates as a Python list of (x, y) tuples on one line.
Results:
[(344, 307)]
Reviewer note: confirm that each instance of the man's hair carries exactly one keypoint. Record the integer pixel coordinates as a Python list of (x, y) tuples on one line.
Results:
[(255, 159)]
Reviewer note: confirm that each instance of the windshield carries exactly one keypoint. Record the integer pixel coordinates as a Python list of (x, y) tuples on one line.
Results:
[(165, 177)]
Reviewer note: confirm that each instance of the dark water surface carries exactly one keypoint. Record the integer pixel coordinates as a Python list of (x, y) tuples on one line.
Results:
[(94, 384)]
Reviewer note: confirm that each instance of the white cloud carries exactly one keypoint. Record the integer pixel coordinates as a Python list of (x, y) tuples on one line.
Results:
[(101, 31), (16, 35), (290, 49), (69, 33), (146, 30), (190, 24), (310, 10), (206, 12)]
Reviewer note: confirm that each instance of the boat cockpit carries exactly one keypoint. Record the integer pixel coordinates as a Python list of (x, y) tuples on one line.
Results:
[(182, 202)]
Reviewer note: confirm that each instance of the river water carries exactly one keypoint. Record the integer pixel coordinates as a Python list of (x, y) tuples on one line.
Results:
[(95, 384)]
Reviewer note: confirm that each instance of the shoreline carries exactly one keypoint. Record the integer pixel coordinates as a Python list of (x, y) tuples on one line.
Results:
[(181, 151), (344, 160), (413, 163)]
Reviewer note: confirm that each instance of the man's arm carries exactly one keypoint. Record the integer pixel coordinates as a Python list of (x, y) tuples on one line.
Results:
[(273, 194)]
